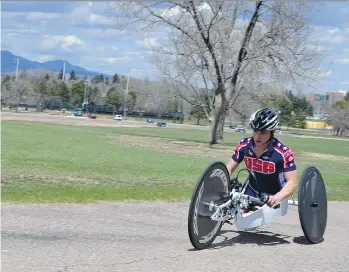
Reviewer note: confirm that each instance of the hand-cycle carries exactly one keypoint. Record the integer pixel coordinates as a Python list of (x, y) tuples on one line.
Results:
[(217, 200)]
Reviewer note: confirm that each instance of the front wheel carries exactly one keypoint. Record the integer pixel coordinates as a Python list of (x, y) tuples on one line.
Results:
[(209, 191)]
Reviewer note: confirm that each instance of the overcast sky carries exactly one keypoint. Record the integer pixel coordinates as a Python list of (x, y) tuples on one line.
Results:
[(82, 33)]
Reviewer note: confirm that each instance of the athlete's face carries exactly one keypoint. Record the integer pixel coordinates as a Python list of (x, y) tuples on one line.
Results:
[(261, 137)]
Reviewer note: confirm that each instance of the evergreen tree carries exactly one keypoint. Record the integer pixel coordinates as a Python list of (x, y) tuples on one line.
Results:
[(60, 75), (116, 78), (72, 75)]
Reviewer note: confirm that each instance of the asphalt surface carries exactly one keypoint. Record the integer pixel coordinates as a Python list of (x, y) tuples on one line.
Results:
[(132, 123), (145, 236)]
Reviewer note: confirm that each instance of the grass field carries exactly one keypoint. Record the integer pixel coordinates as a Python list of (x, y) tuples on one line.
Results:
[(61, 163)]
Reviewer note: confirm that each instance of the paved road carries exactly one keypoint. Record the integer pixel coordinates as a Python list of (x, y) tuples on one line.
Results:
[(109, 122), (139, 236)]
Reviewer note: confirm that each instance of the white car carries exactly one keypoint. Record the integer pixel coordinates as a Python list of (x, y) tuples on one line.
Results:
[(240, 128), (118, 117)]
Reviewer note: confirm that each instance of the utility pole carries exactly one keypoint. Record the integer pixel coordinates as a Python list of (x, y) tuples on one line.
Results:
[(63, 75), (17, 69), (86, 93), (128, 79)]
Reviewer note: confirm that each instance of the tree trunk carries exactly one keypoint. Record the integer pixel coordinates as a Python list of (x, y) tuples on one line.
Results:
[(219, 112), (198, 121)]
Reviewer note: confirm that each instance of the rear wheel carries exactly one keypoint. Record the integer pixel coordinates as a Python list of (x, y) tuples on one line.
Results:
[(210, 190)]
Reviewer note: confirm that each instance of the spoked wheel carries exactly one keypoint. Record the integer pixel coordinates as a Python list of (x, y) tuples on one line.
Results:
[(312, 205), (210, 190)]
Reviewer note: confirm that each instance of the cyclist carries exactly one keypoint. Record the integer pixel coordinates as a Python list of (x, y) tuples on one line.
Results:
[(270, 161)]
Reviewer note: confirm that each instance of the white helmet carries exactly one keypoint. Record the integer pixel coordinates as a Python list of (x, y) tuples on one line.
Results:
[(264, 119)]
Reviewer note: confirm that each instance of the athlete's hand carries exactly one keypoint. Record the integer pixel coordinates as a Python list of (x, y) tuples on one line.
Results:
[(273, 200)]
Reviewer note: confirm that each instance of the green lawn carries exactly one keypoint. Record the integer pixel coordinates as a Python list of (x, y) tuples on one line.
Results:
[(47, 162)]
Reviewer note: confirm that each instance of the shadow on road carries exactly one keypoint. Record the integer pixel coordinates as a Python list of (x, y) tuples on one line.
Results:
[(261, 238), (301, 240)]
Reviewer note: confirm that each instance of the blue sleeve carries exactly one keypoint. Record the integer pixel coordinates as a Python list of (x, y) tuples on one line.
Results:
[(239, 152), (289, 162)]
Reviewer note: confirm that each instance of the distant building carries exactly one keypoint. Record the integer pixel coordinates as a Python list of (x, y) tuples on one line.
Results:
[(323, 102), (333, 97)]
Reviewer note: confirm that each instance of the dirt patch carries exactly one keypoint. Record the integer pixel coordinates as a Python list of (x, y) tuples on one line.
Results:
[(170, 146), (323, 156)]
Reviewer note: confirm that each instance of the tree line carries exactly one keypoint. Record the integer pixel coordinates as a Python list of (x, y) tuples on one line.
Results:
[(36, 87)]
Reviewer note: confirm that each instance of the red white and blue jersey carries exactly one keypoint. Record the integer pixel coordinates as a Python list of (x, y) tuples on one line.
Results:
[(269, 167)]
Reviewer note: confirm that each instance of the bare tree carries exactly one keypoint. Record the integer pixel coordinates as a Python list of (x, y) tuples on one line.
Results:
[(227, 47), (19, 92), (339, 118)]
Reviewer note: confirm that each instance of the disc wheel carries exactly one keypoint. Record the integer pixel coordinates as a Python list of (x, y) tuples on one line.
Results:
[(312, 205), (211, 189)]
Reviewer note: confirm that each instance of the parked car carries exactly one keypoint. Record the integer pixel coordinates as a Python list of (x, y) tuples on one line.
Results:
[(150, 120), (78, 112), (240, 128), (162, 124), (118, 117), (232, 126)]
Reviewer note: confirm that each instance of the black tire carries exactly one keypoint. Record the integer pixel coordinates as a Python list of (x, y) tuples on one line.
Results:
[(208, 188), (312, 205)]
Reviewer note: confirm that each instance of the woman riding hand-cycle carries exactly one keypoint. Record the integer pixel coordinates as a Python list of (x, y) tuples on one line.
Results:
[(271, 163)]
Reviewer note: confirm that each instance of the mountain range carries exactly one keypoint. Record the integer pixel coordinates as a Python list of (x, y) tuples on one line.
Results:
[(8, 65)]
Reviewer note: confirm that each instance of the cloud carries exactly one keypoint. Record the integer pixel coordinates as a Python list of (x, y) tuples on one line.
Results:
[(326, 74), (87, 16), (112, 60), (44, 58), (21, 31), (105, 34), (147, 43), (65, 42), (132, 53), (333, 30), (34, 16), (170, 12), (342, 61), (332, 39), (99, 19), (330, 35)]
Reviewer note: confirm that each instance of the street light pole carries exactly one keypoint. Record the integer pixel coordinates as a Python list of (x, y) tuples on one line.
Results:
[(86, 93), (63, 73), (17, 69), (128, 79)]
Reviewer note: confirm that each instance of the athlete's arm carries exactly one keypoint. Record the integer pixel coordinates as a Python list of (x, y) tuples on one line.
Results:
[(231, 166), (237, 156), (287, 190), (290, 186)]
